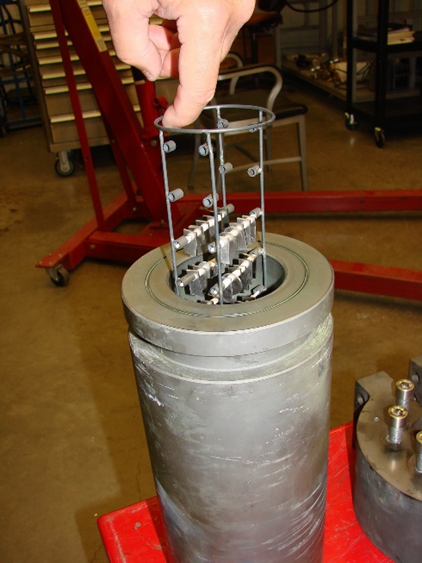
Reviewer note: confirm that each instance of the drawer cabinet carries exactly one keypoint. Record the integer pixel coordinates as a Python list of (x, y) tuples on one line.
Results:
[(52, 91)]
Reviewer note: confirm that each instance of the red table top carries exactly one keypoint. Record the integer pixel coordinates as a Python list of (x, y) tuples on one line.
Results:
[(135, 534)]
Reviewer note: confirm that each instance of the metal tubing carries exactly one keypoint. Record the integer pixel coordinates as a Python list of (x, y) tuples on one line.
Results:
[(262, 200), (215, 210), (169, 213), (220, 144)]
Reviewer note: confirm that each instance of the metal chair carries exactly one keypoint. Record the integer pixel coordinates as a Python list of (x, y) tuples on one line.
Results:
[(259, 86)]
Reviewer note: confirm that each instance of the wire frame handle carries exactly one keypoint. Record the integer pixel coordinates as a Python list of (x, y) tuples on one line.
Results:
[(260, 118)]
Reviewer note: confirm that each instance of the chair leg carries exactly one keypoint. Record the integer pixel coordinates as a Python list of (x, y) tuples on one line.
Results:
[(303, 153), (194, 167), (268, 146)]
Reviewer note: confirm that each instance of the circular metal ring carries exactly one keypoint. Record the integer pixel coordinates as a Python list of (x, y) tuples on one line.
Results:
[(295, 308), (269, 118)]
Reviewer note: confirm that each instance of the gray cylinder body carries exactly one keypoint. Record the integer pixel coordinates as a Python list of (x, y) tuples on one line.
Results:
[(235, 400)]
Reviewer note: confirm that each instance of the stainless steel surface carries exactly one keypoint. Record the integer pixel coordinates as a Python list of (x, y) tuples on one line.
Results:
[(397, 417), (418, 464), (405, 389), (303, 300), (231, 337), (388, 485), (236, 409)]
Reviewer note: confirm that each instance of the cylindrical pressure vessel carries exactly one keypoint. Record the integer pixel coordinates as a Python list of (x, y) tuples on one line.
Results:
[(235, 401)]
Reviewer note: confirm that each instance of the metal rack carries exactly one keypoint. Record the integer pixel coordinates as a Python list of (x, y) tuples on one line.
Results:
[(52, 86), (16, 88), (385, 110), (230, 251)]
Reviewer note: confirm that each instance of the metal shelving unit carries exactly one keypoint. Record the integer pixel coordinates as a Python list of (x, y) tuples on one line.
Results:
[(16, 88), (386, 108), (52, 89)]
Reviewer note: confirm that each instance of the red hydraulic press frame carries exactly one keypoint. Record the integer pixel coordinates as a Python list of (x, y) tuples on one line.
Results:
[(136, 150)]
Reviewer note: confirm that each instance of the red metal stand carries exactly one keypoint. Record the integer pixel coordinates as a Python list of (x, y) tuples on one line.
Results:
[(136, 152), (135, 148), (135, 533)]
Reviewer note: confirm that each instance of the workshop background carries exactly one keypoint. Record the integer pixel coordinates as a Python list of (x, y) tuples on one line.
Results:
[(72, 443)]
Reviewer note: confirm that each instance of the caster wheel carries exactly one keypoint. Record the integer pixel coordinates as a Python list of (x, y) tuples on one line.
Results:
[(351, 122), (379, 135), (59, 276), (64, 170)]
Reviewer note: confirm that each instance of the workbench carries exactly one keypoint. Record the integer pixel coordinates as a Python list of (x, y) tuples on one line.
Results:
[(135, 534)]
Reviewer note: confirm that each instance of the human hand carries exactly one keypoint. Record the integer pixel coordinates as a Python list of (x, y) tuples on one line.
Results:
[(195, 37)]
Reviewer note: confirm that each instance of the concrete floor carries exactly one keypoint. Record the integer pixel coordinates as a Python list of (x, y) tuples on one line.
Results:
[(72, 444)]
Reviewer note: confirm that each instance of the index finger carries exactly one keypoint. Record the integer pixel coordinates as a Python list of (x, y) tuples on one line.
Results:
[(202, 37), (129, 27)]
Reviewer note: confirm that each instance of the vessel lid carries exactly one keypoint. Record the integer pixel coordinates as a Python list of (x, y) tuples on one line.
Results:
[(295, 308)]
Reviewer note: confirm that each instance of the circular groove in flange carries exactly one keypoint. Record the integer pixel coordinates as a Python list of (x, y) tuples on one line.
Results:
[(219, 312), (293, 310)]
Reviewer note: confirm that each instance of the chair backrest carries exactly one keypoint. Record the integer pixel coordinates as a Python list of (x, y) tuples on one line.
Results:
[(271, 5)]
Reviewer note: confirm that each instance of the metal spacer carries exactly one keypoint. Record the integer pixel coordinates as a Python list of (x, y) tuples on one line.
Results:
[(397, 418), (204, 150), (175, 195), (405, 389), (254, 171), (209, 200), (226, 167), (222, 123), (257, 212), (169, 146)]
